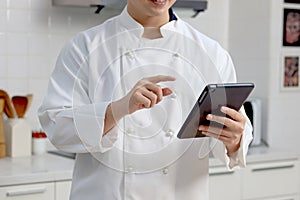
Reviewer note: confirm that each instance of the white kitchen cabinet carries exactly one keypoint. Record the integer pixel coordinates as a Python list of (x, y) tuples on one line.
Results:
[(38, 177), (271, 180), (62, 190), (224, 184), (45, 191), (40, 191)]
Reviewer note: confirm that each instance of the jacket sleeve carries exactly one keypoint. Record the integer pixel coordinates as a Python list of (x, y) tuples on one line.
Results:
[(238, 159), (72, 121), (219, 150)]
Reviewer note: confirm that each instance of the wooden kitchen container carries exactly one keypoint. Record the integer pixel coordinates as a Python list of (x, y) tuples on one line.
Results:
[(18, 137), (2, 134)]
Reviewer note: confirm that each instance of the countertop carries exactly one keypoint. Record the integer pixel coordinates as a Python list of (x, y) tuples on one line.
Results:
[(35, 169), (263, 154), (50, 167)]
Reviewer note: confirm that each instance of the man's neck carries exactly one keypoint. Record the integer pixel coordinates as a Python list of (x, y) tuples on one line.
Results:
[(153, 22), (152, 33), (149, 21)]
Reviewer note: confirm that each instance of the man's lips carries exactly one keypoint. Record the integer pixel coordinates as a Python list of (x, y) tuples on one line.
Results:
[(159, 2)]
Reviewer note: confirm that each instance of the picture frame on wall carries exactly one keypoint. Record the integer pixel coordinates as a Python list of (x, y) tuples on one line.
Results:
[(291, 27), (290, 72), (292, 1)]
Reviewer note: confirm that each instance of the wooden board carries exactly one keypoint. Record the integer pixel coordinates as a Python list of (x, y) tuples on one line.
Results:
[(2, 135)]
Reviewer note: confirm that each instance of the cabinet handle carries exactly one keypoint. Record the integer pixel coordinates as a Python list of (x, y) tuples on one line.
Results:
[(273, 168), (28, 191), (221, 173)]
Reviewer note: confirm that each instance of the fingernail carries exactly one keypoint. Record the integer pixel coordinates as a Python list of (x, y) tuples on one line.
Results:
[(209, 117), (224, 109)]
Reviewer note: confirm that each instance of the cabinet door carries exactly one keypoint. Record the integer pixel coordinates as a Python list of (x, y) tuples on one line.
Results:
[(272, 179), (63, 190), (43, 191), (224, 184)]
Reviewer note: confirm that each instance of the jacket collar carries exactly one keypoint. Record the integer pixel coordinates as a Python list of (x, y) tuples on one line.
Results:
[(136, 28)]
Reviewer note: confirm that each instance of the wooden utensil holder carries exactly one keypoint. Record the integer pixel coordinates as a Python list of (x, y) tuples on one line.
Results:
[(2, 134), (18, 137)]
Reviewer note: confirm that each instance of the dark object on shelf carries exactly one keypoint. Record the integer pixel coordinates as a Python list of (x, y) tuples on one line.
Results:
[(291, 1), (197, 5), (99, 8)]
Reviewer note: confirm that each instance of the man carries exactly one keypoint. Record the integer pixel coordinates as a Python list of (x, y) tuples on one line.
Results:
[(118, 96)]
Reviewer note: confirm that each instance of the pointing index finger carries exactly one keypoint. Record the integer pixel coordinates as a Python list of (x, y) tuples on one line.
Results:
[(160, 78)]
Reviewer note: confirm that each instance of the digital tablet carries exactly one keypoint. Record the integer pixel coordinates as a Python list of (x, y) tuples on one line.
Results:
[(212, 98)]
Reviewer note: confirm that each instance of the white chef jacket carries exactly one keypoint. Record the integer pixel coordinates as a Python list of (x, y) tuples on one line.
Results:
[(141, 157)]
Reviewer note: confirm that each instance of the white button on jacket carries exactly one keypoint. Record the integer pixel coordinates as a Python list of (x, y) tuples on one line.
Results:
[(135, 160), (169, 133)]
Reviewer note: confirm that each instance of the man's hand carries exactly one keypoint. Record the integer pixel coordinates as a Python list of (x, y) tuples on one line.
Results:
[(231, 133), (145, 94)]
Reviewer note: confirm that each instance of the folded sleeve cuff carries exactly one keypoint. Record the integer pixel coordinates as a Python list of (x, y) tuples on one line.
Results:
[(237, 159), (87, 122), (95, 124)]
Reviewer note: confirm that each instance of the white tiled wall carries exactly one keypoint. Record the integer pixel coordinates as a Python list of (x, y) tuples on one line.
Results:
[(32, 32)]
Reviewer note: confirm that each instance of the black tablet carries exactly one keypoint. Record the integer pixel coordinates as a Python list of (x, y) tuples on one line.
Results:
[(212, 98)]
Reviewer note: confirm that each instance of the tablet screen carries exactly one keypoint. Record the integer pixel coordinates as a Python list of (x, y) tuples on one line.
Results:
[(212, 98)]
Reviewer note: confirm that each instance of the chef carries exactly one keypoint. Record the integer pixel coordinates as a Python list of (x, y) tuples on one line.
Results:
[(118, 96)]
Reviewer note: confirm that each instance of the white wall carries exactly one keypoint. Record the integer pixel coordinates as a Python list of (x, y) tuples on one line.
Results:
[(32, 33), (255, 43), (284, 107), (249, 45), (213, 22)]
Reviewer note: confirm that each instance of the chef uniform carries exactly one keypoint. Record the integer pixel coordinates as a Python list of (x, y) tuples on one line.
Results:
[(141, 157)]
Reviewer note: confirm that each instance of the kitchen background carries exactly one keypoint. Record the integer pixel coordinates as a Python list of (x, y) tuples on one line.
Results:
[(32, 32)]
